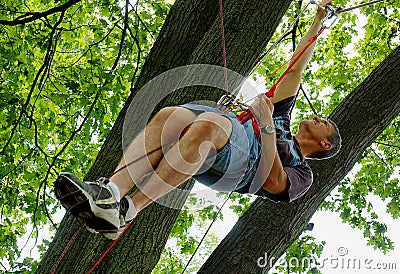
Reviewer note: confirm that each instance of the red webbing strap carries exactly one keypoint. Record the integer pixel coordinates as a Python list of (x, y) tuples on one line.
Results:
[(246, 114), (110, 247), (271, 91)]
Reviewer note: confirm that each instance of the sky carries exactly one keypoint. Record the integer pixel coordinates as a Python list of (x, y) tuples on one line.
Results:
[(347, 243), (344, 244)]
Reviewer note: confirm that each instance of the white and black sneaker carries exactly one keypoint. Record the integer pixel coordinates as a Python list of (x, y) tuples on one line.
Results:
[(92, 203)]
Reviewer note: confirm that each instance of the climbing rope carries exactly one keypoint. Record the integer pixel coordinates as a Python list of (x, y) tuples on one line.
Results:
[(286, 32), (332, 14), (341, 10), (221, 16), (65, 250), (109, 248)]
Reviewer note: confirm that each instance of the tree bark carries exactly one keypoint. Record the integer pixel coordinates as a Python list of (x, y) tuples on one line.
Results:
[(190, 35), (267, 229)]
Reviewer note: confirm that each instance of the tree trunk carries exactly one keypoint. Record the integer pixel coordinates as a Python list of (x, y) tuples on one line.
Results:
[(267, 229), (190, 35)]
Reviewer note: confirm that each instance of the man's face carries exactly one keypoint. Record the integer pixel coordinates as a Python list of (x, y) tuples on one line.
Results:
[(317, 128)]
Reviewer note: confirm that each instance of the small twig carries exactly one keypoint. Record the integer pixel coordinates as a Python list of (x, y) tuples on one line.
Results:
[(126, 26), (380, 158), (2, 265), (46, 72), (35, 81), (144, 25), (23, 159), (46, 156), (91, 45), (45, 207), (139, 56), (385, 144)]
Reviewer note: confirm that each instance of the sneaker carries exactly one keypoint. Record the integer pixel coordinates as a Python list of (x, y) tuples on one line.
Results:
[(123, 210), (92, 203)]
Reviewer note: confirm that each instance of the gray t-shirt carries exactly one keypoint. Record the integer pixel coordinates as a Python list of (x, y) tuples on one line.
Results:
[(299, 173)]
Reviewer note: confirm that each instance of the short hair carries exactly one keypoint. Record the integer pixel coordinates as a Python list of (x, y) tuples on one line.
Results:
[(336, 141)]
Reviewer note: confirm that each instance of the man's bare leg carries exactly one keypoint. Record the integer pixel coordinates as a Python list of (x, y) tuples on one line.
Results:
[(157, 133), (96, 204), (209, 132)]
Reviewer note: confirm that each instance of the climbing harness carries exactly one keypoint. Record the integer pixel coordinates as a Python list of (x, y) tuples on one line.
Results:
[(230, 102)]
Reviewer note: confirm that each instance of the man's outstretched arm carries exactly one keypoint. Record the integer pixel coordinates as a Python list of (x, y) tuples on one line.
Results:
[(290, 84)]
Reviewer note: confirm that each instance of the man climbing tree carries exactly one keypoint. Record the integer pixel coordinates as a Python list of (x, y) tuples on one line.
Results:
[(259, 156)]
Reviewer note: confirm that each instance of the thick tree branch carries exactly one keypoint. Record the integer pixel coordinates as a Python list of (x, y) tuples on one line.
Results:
[(32, 16)]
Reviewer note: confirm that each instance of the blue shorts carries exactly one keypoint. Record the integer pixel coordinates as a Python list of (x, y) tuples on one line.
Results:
[(233, 166)]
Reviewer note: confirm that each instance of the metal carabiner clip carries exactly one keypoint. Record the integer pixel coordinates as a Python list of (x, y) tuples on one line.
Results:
[(329, 24), (331, 17), (331, 11), (224, 101)]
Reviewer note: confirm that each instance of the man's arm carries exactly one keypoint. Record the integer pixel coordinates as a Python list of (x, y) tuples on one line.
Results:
[(277, 180), (270, 174), (290, 83)]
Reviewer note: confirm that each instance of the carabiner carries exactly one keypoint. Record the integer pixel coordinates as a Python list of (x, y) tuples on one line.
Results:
[(225, 101), (331, 11), (331, 16)]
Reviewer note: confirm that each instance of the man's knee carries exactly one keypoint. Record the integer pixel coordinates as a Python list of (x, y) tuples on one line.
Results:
[(213, 127), (214, 122), (164, 114), (173, 121)]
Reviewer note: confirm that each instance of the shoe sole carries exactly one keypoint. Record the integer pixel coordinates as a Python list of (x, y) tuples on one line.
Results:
[(77, 201)]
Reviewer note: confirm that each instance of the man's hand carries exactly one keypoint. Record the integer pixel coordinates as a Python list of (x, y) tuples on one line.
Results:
[(262, 109)]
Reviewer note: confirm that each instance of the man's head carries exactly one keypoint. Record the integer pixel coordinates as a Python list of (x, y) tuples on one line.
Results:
[(319, 138)]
